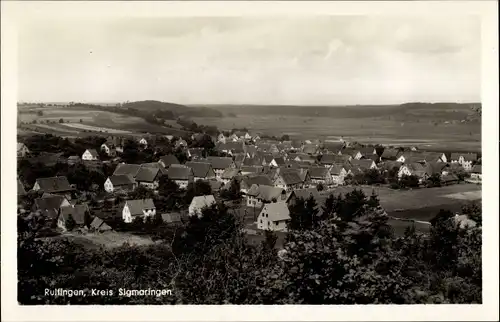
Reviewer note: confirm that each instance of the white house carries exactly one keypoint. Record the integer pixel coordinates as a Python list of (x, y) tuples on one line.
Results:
[(221, 138), (181, 175), (90, 155), (258, 195), (22, 150), (143, 142), (117, 183), (477, 173), (108, 148), (138, 208), (466, 160), (274, 216), (199, 203), (288, 180), (415, 169), (338, 174)]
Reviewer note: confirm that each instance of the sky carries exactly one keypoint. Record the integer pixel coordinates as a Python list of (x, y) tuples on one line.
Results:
[(310, 60)]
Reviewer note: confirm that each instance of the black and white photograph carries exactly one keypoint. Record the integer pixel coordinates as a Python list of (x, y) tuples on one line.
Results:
[(250, 159)]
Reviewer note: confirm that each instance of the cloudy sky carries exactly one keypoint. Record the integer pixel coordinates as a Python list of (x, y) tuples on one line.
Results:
[(325, 60)]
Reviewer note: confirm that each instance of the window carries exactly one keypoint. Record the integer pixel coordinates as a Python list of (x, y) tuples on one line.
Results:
[(261, 221)]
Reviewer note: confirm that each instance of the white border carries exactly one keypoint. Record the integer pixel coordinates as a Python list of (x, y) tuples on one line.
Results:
[(13, 11)]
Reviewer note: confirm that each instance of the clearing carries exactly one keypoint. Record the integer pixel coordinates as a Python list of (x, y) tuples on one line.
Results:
[(110, 239)]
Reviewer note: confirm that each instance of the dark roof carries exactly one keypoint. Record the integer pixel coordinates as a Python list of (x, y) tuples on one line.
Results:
[(449, 177), (171, 218), (136, 206), (388, 165), (146, 174), (333, 159), (318, 172), (220, 162), (367, 150), (53, 202), (155, 165), (390, 153), (257, 179), (231, 146), (179, 172), (416, 169), (54, 184), (77, 212), (252, 161), (121, 180), (336, 169), (279, 161), (290, 177), (362, 164), (200, 169), (477, 169), (197, 152), (333, 146), (310, 148), (265, 192), (215, 185), (252, 169), (435, 167), (127, 169), (169, 159), (99, 224)]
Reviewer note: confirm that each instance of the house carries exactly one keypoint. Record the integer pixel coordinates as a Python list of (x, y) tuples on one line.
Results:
[(466, 160), (296, 145), (304, 194), (221, 138), (195, 153), (274, 216), (230, 148), (201, 170), (415, 169), (143, 142), (277, 162), (311, 149), (199, 203), (246, 182), (267, 159), (320, 175), (390, 155), (181, 175), (387, 166), (50, 205), (250, 151), (363, 164), (338, 174), (77, 212), (54, 185), (20, 188), (149, 177), (258, 195), (238, 159), (288, 180), (440, 168), (169, 137), (22, 150), (171, 218), (219, 164), (353, 153), (119, 183), (74, 159), (130, 170), (108, 148), (141, 208), (374, 157), (476, 173), (334, 147), (327, 160), (228, 175), (421, 157), (167, 160), (367, 151), (90, 155), (181, 143), (234, 137), (463, 222), (99, 225), (302, 157)]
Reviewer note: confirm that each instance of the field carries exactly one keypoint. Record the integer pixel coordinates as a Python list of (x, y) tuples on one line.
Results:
[(367, 130), (78, 120), (109, 239)]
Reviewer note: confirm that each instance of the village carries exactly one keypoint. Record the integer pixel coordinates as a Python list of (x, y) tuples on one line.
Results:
[(258, 178)]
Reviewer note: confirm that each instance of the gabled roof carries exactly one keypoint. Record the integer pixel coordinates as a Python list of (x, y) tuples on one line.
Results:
[(435, 167), (416, 169), (367, 150), (333, 146), (76, 211), (251, 169), (197, 152), (296, 144), (251, 149), (256, 179), (54, 184), (200, 202), (20, 188), (99, 224), (336, 169), (127, 169), (136, 207), (121, 180), (277, 211), (53, 202), (200, 169), (318, 172), (234, 147), (93, 152), (265, 192), (155, 165), (388, 165), (333, 159), (290, 177), (310, 148), (279, 161), (147, 174), (20, 146), (450, 177), (169, 159), (477, 169), (362, 164), (229, 173), (239, 157), (220, 162), (179, 172), (390, 154), (252, 161)]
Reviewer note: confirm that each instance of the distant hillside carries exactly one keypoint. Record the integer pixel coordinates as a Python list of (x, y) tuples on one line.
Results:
[(177, 110), (409, 112)]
